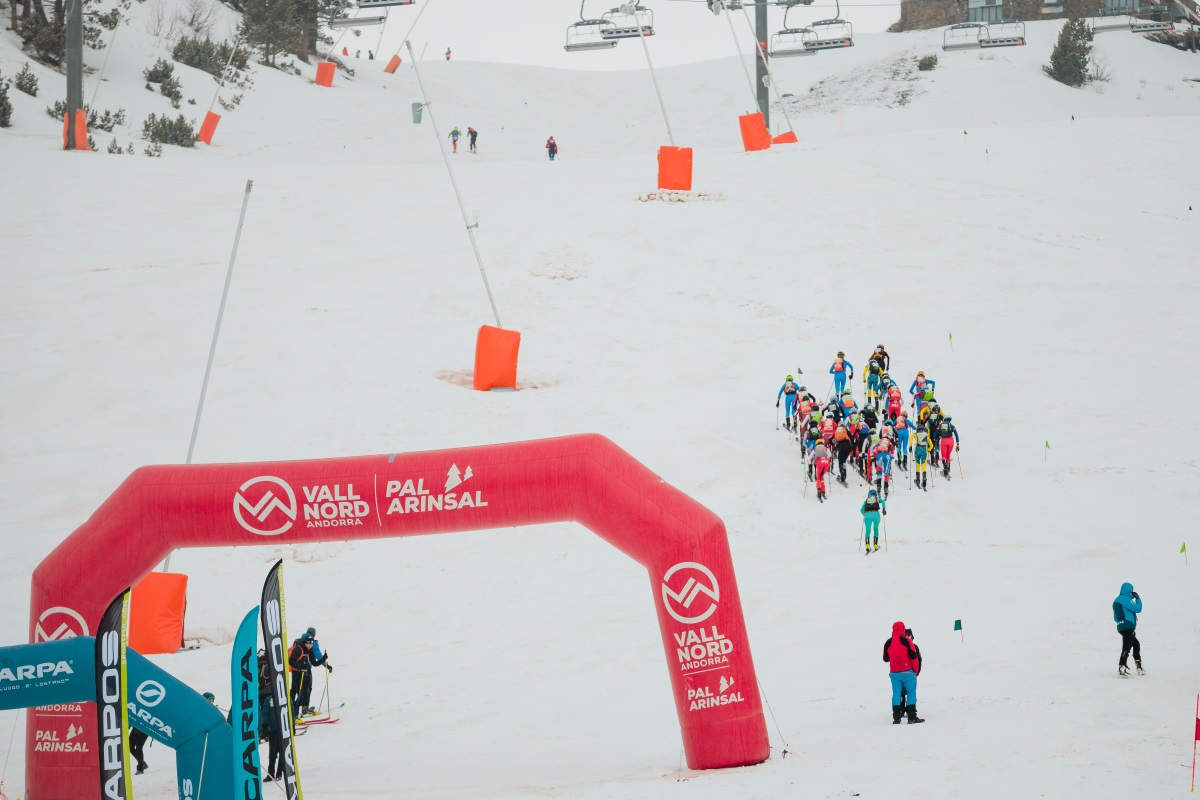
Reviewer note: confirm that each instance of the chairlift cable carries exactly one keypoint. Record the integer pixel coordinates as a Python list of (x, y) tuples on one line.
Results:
[(767, 66)]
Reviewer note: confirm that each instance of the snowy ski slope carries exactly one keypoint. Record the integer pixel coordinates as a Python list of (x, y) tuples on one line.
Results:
[(1046, 228)]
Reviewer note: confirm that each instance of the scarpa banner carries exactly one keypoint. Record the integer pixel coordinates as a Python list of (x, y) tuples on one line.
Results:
[(112, 715), (46, 674), (244, 715), (275, 638)]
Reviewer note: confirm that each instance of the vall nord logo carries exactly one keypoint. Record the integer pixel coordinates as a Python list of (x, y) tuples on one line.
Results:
[(57, 623), (693, 580), (265, 505)]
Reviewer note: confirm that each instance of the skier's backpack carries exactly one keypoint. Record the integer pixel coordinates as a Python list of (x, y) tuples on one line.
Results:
[(945, 429), (875, 368), (871, 505), (789, 388)]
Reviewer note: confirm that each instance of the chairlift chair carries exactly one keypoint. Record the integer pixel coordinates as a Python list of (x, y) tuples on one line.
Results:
[(789, 42), (1008, 33), (384, 3), (628, 22), (964, 36), (829, 34), (587, 34), (1137, 25), (1117, 18), (356, 22)]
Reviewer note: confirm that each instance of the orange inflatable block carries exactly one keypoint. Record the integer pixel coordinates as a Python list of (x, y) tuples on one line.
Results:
[(496, 358), (156, 609), (785, 138), (675, 168), (325, 70), (66, 129), (392, 65), (209, 127), (755, 135)]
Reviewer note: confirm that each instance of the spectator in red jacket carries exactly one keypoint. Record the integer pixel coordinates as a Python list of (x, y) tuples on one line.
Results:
[(904, 658)]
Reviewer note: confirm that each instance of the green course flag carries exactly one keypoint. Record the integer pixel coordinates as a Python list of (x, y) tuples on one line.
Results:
[(958, 627), (951, 341), (1044, 454), (1183, 549)]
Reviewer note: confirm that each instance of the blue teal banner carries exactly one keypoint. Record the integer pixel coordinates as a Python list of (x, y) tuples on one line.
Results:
[(243, 715), (48, 673)]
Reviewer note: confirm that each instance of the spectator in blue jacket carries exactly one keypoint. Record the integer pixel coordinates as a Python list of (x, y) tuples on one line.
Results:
[(1125, 610)]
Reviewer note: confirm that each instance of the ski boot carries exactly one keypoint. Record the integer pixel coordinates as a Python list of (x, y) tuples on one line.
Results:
[(1123, 671), (867, 548), (897, 713), (876, 545), (912, 715), (946, 470), (1140, 671)]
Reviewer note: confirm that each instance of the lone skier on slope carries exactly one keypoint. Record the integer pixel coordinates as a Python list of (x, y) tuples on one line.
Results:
[(871, 509), (789, 390), (904, 659), (841, 370), (551, 148), (1125, 610)]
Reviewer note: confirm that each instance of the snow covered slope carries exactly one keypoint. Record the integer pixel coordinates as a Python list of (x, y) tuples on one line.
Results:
[(526, 663)]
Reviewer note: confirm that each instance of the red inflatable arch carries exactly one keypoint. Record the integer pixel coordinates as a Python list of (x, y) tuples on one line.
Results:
[(586, 479)]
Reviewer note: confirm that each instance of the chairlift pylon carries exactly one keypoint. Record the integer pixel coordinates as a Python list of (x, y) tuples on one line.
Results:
[(587, 34), (628, 21)]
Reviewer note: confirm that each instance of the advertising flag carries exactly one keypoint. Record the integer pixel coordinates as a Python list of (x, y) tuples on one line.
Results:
[(244, 715), (274, 632), (112, 706)]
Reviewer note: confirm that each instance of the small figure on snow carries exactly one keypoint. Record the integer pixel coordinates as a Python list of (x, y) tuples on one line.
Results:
[(269, 725), (872, 507), (1125, 610), (551, 148), (820, 463), (841, 370), (921, 458), (472, 135), (454, 134), (447, 53), (137, 744), (947, 443), (789, 391), (904, 660)]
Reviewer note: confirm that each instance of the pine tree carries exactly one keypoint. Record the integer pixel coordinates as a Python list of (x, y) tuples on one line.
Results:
[(1072, 53), (272, 27)]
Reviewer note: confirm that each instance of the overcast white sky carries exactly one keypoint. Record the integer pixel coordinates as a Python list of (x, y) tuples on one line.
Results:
[(490, 30)]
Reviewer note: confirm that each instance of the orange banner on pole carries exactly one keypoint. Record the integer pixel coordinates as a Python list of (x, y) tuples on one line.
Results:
[(392, 65), (325, 70), (675, 168), (755, 135), (207, 129), (496, 352)]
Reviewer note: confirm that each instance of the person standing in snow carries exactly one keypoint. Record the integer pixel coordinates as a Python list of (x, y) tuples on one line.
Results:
[(269, 727), (137, 744), (454, 134), (1125, 610), (447, 53), (789, 391), (472, 135), (841, 370), (551, 148), (881, 355), (871, 509), (904, 660)]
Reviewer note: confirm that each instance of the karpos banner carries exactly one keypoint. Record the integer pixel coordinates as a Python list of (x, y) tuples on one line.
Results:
[(275, 638), (112, 713), (244, 715)]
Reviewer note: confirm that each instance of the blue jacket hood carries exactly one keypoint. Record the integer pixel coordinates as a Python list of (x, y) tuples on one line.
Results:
[(1126, 589)]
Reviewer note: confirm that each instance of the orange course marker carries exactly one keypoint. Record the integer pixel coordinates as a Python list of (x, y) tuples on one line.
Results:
[(325, 71), (206, 133), (81, 130), (675, 168), (755, 135), (785, 138), (392, 65), (496, 352)]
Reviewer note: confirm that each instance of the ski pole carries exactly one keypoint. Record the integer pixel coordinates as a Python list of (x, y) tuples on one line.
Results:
[(885, 547), (861, 530), (776, 415), (961, 477)]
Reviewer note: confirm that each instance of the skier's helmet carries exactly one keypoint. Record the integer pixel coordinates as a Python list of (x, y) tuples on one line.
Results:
[(872, 493), (920, 374), (879, 347), (210, 697), (885, 377), (789, 377), (934, 407), (848, 391), (841, 354), (946, 418)]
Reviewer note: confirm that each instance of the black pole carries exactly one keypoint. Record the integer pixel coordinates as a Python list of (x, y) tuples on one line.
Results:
[(74, 69), (760, 30)]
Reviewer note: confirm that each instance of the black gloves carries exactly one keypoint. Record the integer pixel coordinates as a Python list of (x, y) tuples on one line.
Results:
[(885, 512), (329, 666), (1136, 597), (777, 404)]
